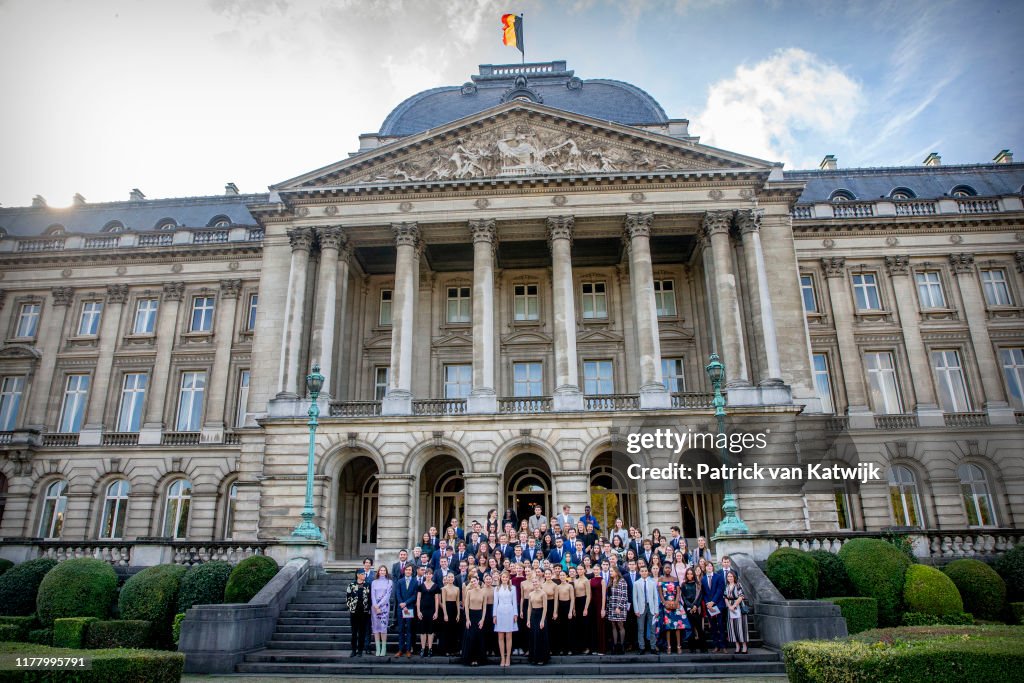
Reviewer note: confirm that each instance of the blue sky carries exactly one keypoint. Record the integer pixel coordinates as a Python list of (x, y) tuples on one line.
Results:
[(179, 98)]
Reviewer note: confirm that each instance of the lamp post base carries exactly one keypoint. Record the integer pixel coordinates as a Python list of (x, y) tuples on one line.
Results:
[(731, 523), (306, 530)]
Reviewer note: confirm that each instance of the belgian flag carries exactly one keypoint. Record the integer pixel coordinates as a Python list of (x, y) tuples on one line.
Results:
[(512, 31)]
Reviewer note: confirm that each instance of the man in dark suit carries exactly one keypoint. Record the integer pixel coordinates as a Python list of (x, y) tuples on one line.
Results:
[(459, 532), (442, 551), (531, 552), (713, 588), (631, 574), (462, 578), (460, 554), (647, 554), (676, 538), (557, 553), (443, 570), (504, 547), (577, 555), (589, 538), (405, 596), (398, 568), (517, 555)]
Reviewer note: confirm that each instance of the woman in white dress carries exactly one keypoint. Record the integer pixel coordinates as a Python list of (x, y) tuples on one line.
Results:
[(506, 606)]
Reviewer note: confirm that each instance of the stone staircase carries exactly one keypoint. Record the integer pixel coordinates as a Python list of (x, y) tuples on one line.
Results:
[(313, 634)]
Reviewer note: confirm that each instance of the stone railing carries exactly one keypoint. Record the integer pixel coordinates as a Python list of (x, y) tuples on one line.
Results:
[(898, 421), (973, 419), (100, 242), (853, 210), (40, 245), (916, 208), (977, 205), (439, 406), (354, 409), (693, 399), (116, 553), (939, 545), (120, 439), (211, 237), (1020, 417), (232, 438), (886, 206), (60, 440), (189, 553), (523, 404), (803, 212), (837, 423), (256, 234), (180, 439), (161, 239), (612, 402), (6, 438)]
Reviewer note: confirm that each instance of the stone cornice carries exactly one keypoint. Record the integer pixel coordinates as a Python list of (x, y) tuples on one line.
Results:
[(903, 225), (136, 256)]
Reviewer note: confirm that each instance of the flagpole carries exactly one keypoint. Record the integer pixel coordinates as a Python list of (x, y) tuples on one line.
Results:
[(523, 23)]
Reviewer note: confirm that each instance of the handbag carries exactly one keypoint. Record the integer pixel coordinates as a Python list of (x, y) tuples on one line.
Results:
[(671, 605), (744, 608)]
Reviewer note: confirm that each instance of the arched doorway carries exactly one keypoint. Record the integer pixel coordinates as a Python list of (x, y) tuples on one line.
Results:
[(700, 501), (355, 530), (612, 493), (528, 482), (442, 494)]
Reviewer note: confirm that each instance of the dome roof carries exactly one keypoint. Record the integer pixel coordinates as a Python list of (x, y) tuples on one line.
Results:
[(549, 83)]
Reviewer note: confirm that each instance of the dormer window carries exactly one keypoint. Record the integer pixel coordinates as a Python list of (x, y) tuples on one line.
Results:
[(167, 224), (114, 226), (841, 196), (55, 229), (220, 222), (961, 191), (902, 193)]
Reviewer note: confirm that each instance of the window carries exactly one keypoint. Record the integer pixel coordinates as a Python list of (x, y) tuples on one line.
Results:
[(28, 321), (597, 377), (458, 381), (865, 292), (115, 509), (1013, 371), (250, 318), (977, 498), (885, 394), (89, 323), (176, 508), (385, 306), (997, 290), (929, 289), (527, 379), (843, 509), (145, 316), (229, 511), (906, 507), (949, 376), (11, 389), (672, 374), (595, 301), (458, 305), (807, 292), (526, 302), (55, 502), (963, 191), (190, 401), (902, 193), (133, 400), (76, 391), (202, 314), (823, 383), (243, 398), (381, 373), (665, 297), (842, 196)]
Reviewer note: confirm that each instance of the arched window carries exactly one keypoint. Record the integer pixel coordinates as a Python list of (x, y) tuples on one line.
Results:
[(166, 224), (115, 509), (977, 498), (449, 499), (841, 196), (902, 193), (368, 511), (221, 221), (610, 498), (55, 229), (114, 226), (527, 487), (229, 510), (176, 509), (963, 191), (906, 505), (55, 501)]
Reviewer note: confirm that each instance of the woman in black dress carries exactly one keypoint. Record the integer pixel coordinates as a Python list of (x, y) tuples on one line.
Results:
[(451, 611), (562, 619), (509, 518), (473, 640), (490, 639), (537, 613), (428, 595)]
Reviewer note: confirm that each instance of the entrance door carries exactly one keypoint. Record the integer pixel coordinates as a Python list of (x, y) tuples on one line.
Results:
[(524, 503)]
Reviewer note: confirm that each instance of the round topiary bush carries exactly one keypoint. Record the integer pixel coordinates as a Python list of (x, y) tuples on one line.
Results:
[(794, 573), (249, 577), (877, 570), (5, 565), (83, 587), (204, 584), (152, 595), (20, 584), (928, 591), (832, 579), (981, 588), (1011, 567)]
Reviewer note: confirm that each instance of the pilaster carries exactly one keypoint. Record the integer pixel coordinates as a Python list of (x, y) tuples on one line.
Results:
[(567, 396), (92, 430), (398, 400), (166, 327)]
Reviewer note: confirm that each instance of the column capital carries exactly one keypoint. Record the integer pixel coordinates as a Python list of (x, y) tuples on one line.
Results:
[(406, 234), (229, 289), (173, 291), (749, 220), (962, 263), (301, 239), (62, 296), (560, 228), (483, 230), (897, 265), (716, 222), (331, 237), (1018, 257), (117, 294), (638, 224), (834, 266)]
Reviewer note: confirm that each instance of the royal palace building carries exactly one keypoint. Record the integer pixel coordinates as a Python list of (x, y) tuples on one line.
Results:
[(500, 286)]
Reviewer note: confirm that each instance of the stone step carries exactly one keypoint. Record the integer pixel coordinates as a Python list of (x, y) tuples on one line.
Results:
[(329, 656), (295, 622), (306, 612)]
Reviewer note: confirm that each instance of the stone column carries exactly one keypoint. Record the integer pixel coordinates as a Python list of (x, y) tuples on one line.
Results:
[(571, 487), (716, 226), (166, 330), (92, 430), (750, 231), (483, 399), (928, 412), (999, 411), (398, 400), (224, 333), (295, 305), (653, 393), (322, 346), (567, 384), (849, 355), (395, 528), (49, 337), (483, 492)]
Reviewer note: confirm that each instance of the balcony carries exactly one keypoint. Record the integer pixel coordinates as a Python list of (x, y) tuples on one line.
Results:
[(941, 546), (180, 439), (60, 440), (606, 402), (523, 404), (28, 246), (916, 208), (161, 239), (6, 438), (853, 210), (210, 237), (972, 419), (971, 206), (439, 406), (897, 421), (354, 409), (693, 400), (120, 439), (885, 207)]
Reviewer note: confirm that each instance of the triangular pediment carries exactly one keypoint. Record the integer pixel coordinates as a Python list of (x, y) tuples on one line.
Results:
[(453, 339), (597, 336), (521, 140)]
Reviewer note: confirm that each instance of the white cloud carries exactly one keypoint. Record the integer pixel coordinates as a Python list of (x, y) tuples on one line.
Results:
[(768, 110)]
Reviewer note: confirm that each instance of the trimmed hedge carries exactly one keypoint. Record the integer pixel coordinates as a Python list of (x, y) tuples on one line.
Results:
[(204, 584), (877, 570), (929, 591), (861, 614), (108, 666), (1016, 610), (23, 624), (951, 619), (910, 655), (70, 632), (82, 587), (152, 595), (794, 573), (176, 627), (41, 636), (20, 584), (249, 577), (121, 633), (832, 579), (1010, 566), (981, 588), (5, 564), (10, 633)]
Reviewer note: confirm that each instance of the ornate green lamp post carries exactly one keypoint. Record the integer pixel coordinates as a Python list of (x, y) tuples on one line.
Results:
[(731, 523), (306, 529)]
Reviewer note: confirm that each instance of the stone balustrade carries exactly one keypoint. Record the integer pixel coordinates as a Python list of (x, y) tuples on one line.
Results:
[(906, 207), (115, 553), (163, 238), (135, 553), (606, 402), (188, 553), (940, 546)]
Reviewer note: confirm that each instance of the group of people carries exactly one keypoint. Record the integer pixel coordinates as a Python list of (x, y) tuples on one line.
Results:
[(567, 587)]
